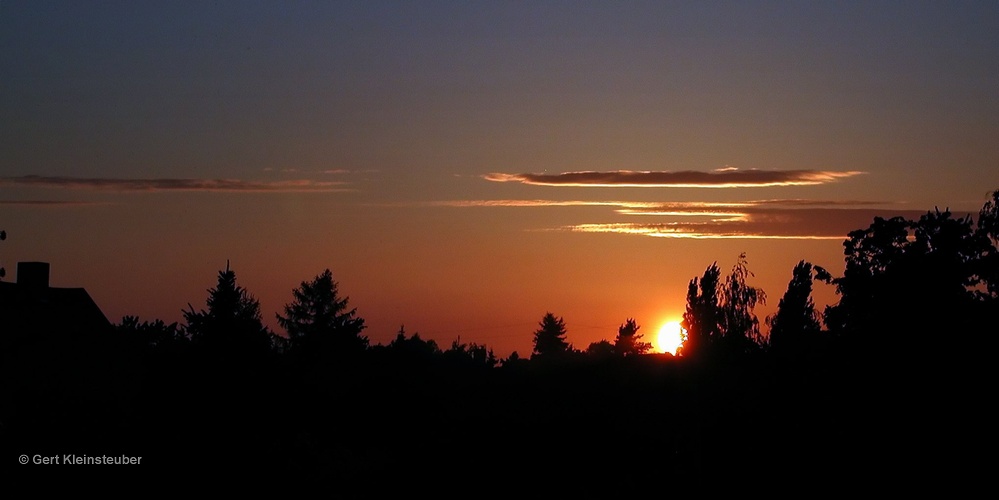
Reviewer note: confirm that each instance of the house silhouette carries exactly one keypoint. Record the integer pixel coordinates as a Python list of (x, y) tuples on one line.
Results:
[(31, 307), (66, 380)]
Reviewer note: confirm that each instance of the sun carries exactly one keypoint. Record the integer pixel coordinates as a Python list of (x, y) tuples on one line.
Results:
[(670, 337)]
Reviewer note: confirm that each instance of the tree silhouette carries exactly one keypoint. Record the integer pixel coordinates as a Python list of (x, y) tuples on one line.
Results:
[(703, 318), (722, 314), (988, 229), (410, 348), (988, 217), (318, 321), (869, 254), (906, 281), (153, 335), (928, 285), (549, 339), (741, 327), (472, 354), (231, 324), (628, 341), (513, 360), (796, 320), (602, 349)]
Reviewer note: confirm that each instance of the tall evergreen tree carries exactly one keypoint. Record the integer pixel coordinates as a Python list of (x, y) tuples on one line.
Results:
[(549, 339), (318, 321), (231, 324)]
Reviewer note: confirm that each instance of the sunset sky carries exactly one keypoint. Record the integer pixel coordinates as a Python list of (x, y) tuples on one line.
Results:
[(465, 167)]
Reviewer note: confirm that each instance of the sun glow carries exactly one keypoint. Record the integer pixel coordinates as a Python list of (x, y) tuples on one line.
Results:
[(670, 337)]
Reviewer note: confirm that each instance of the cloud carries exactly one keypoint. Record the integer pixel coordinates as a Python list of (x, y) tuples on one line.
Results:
[(689, 231), (48, 203), (213, 185), (755, 222), (658, 208), (340, 171), (756, 219), (721, 178), (537, 203), (818, 203)]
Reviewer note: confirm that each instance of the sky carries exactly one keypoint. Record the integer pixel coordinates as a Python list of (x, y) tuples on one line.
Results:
[(463, 168)]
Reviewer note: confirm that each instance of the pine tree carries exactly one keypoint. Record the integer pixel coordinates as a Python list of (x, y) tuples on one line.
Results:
[(231, 324), (549, 339), (318, 321)]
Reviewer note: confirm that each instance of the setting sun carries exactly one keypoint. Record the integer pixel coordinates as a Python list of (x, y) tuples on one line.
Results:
[(670, 337)]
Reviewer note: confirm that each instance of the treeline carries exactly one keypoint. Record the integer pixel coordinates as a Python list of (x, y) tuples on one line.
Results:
[(898, 370)]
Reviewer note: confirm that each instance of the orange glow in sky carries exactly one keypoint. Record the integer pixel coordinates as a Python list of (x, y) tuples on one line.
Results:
[(463, 170)]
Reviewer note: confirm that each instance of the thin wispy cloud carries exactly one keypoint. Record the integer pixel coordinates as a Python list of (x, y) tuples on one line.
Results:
[(655, 207), (756, 219), (819, 203), (690, 231), (48, 203), (343, 171), (329, 171), (539, 203), (721, 178), (167, 184), (622, 207), (755, 222)]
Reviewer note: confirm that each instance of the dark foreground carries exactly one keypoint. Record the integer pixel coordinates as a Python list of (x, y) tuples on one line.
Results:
[(375, 419)]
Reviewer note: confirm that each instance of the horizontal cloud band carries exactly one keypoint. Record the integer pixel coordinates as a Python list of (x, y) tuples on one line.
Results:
[(724, 178), (757, 219), (48, 203), (215, 185), (694, 231)]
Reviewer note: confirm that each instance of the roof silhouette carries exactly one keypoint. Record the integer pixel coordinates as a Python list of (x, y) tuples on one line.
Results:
[(32, 306)]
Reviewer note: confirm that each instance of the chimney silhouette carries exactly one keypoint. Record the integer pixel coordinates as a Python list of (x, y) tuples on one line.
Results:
[(33, 275)]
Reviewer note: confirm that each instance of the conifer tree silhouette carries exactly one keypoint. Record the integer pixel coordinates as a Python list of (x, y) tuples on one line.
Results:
[(318, 321), (549, 338), (231, 324)]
